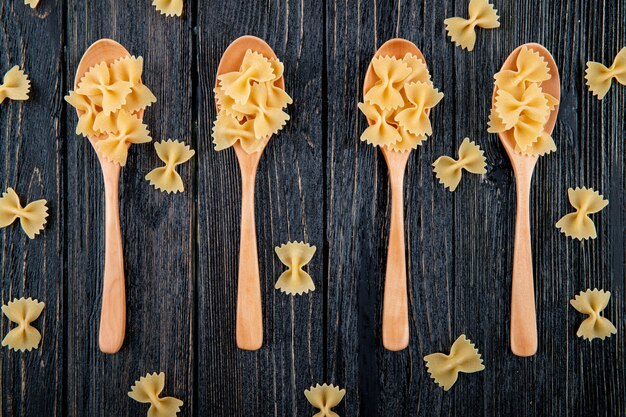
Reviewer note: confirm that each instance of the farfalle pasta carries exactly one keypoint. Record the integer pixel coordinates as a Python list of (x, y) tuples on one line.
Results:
[(391, 73), (173, 153), (325, 397), (128, 130), (15, 85), (294, 280), (449, 170), (22, 312), (33, 217), (463, 357), (169, 7), (599, 77), (578, 224), (592, 303), (31, 3), (463, 31), (148, 390)]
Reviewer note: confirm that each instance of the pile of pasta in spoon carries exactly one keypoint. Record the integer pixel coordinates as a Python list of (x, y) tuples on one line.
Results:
[(522, 106), (109, 99), (398, 105)]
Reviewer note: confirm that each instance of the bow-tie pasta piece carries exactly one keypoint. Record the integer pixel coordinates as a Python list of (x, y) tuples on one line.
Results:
[(225, 104), (463, 357), (532, 103), (294, 280), (543, 145), (599, 77), (98, 82), (32, 217), (15, 85), (325, 398), (88, 114), (530, 68), (129, 130), (227, 130), (169, 7), (173, 153), (391, 73), (22, 312), (578, 225), (407, 140), (255, 68), (419, 70), (462, 31), (130, 69), (148, 389), (414, 117), (592, 303), (267, 120), (276, 96), (31, 3), (381, 132), (449, 170)]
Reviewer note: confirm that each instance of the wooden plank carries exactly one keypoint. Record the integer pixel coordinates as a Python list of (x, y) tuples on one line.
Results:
[(32, 164), (157, 228), (289, 206)]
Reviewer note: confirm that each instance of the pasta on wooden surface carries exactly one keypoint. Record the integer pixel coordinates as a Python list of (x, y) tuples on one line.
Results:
[(421, 98), (129, 130), (227, 130), (294, 280), (130, 69), (33, 217), (255, 68), (89, 111), (98, 84), (592, 303), (391, 73), (31, 3), (22, 312), (381, 132), (173, 153), (15, 85), (463, 357), (267, 120), (148, 389), (578, 224), (463, 31), (449, 170), (325, 397), (530, 68), (599, 77), (169, 7)]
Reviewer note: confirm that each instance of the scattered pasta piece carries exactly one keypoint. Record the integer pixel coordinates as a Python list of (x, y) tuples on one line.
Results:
[(22, 312), (32, 217), (129, 130), (449, 170), (599, 77), (391, 73), (31, 3), (148, 389), (462, 31), (166, 178), (325, 398), (578, 225), (169, 7), (463, 357), (592, 303), (15, 85), (294, 280)]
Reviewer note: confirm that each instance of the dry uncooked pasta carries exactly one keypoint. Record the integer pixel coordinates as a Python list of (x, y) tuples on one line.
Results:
[(22, 312), (148, 389), (578, 224), (128, 130), (294, 280), (449, 170), (129, 69), (173, 153), (463, 357), (15, 85), (599, 77), (33, 217), (592, 303), (325, 398), (31, 3), (463, 31), (169, 7)]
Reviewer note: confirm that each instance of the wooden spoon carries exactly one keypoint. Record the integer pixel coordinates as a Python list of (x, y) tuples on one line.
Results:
[(113, 315), (249, 332), (395, 303), (523, 320)]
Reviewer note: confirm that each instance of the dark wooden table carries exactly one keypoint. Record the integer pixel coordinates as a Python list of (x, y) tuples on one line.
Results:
[(317, 182)]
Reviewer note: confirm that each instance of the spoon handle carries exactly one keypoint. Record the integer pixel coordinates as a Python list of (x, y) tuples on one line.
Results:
[(395, 304), (249, 314), (113, 316), (523, 321)]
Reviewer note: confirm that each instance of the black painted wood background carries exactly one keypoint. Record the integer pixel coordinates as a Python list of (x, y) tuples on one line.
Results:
[(316, 182)]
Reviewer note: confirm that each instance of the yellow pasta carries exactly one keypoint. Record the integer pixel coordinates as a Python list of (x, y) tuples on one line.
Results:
[(130, 69), (578, 225), (98, 82), (381, 132), (407, 140), (294, 280), (530, 68), (148, 389), (532, 103), (169, 7), (599, 77), (267, 120), (89, 112), (542, 146), (227, 130), (33, 217), (15, 85), (449, 170), (463, 357), (325, 398), (592, 303), (463, 31), (173, 153), (255, 68), (22, 312), (419, 70), (31, 3), (391, 73), (414, 117), (129, 130)]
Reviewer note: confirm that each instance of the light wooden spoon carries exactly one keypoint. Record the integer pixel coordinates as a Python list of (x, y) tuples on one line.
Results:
[(113, 315), (249, 332), (523, 320), (395, 303)]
